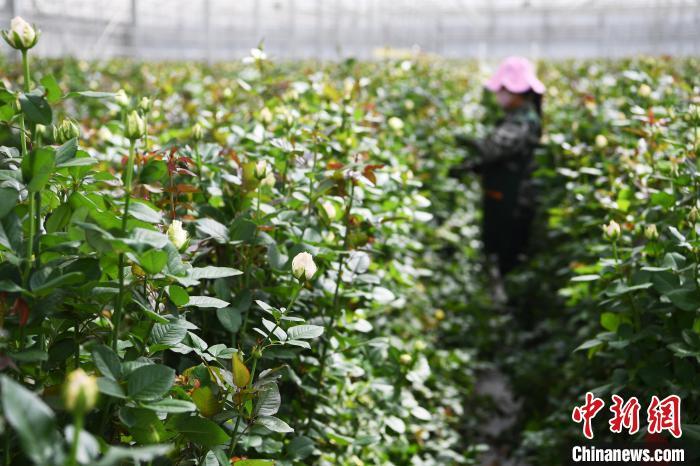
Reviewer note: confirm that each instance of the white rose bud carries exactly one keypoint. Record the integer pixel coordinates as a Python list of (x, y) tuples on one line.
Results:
[(265, 115), (395, 123), (329, 208), (303, 266), (601, 141), (121, 98), (197, 132), (135, 126), (80, 391), (145, 104), (650, 232), (405, 359), (66, 130), (22, 35), (693, 215), (177, 234), (644, 90), (612, 230), (409, 104), (269, 180), (261, 168)]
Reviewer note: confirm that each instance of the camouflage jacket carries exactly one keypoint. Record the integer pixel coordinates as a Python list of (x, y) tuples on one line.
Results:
[(504, 158)]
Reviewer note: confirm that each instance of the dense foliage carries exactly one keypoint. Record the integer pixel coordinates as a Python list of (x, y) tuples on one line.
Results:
[(265, 263)]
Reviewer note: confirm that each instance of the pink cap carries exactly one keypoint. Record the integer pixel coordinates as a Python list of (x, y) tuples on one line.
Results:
[(517, 75)]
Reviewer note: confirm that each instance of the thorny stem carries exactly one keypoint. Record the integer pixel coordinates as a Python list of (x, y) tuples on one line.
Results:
[(77, 427), (236, 436), (116, 319), (25, 153), (246, 280), (336, 302)]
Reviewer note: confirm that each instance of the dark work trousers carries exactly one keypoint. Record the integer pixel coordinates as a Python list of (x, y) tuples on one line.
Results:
[(507, 220)]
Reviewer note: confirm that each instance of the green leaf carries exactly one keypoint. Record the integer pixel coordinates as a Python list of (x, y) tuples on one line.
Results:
[(31, 355), (274, 424), (12, 287), (145, 213), (610, 321), (169, 334), (144, 425), (153, 261), (66, 151), (110, 387), (665, 281), (213, 229), (59, 218), (35, 108), (39, 286), (178, 295), (585, 278), (118, 455), (8, 200), (230, 318), (302, 332), (7, 111), (91, 94), (241, 374), (171, 406), (687, 299), (300, 448), (107, 361), (201, 431), (213, 272), (243, 229), (150, 382), (53, 92), (589, 344), (33, 421), (206, 302), (254, 463), (663, 199), (269, 400), (38, 167)]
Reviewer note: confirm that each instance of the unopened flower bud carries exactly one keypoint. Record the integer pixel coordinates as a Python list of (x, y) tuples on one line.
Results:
[(121, 98), (265, 115), (261, 169), (197, 132), (135, 126), (395, 123), (612, 230), (644, 90), (177, 234), (145, 104), (405, 359), (439, 314), (22, 35), (269, 180), (329, 209), (303, 266), (420, 345), (601, 141), (693, 215), (80, 391), (42, 131), (650, 232), (66, 130)]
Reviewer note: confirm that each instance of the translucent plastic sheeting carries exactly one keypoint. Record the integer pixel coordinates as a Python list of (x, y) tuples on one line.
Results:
[(333, 29)]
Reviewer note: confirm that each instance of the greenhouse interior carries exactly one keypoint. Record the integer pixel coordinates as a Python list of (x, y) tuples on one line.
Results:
[(349, 232)]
